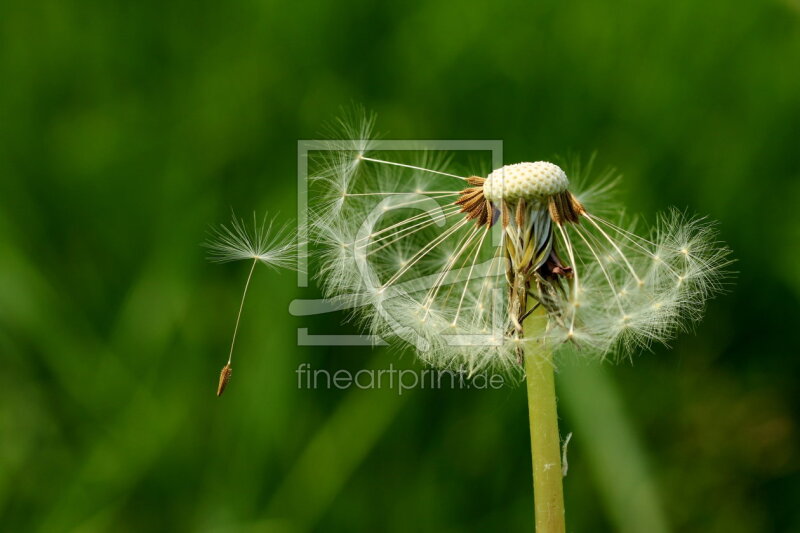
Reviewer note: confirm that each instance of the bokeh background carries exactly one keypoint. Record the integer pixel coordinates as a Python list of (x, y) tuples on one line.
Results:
[(126, 129)]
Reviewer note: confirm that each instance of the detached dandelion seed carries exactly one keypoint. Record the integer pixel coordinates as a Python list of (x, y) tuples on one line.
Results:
[(224, 378), (499, 271), (262, 243)]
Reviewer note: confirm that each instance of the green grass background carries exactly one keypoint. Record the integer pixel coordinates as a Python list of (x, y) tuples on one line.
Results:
[(126, 128)]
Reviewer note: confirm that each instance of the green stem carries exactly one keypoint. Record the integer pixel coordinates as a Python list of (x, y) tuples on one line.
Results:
[(548, 492)]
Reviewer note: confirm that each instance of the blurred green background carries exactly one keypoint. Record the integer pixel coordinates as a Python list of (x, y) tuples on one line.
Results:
[(127, 128)]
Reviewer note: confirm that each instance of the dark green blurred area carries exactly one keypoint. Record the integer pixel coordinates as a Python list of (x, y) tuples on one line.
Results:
[(126, 129)]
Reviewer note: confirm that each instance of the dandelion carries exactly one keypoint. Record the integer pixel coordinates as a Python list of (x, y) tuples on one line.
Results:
[(499, 271), (262, 243)]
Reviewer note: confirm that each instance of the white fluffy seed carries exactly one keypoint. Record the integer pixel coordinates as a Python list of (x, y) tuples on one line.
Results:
[(529, 181)]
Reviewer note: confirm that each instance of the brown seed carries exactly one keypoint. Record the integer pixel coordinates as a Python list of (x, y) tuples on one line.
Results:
[(483, 217), (474, 204), (577, 206), (469, 194), (520, 215), (555, 213), (224, 378), (470, 204), (564, 207)]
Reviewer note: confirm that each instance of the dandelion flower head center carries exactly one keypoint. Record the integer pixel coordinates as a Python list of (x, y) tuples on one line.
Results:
[(525, 181)]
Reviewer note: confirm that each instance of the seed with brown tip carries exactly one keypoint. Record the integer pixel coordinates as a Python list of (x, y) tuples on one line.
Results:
[(224, 378)]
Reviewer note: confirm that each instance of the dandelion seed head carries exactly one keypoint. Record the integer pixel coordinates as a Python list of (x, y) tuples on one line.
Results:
[(448, 262)]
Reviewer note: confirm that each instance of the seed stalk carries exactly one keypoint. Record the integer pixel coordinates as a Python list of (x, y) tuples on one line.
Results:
[(548, 492)]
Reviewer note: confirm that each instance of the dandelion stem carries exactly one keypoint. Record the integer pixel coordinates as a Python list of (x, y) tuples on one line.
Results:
[(241, 306), (548, 492)]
